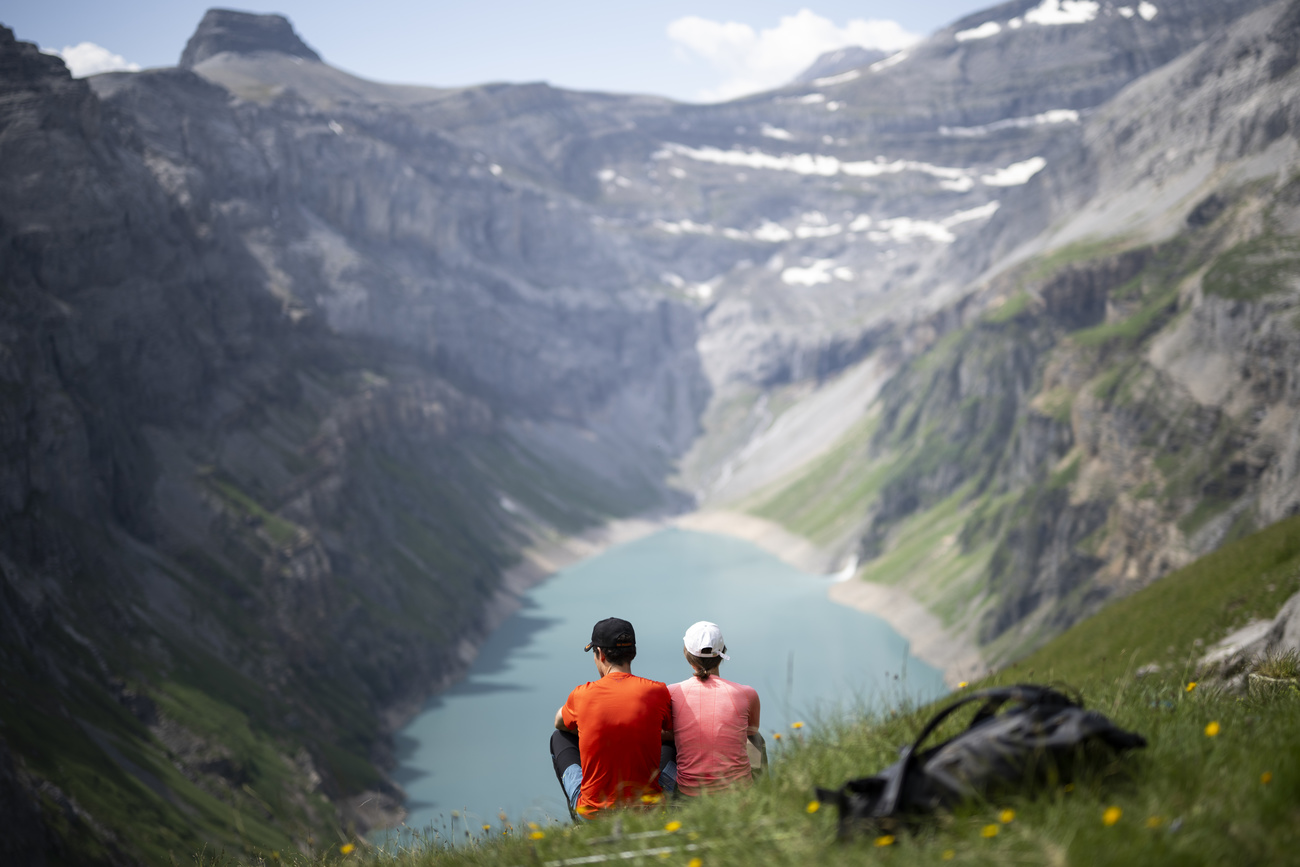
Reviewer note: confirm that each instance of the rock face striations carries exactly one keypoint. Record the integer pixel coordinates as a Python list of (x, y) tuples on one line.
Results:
[(293, 365), (223, 30)]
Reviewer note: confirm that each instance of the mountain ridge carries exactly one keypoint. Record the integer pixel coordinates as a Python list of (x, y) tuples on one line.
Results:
[(296, 364)]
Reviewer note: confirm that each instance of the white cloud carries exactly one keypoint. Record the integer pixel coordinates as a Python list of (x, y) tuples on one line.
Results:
[(87, 58), (751, 61)]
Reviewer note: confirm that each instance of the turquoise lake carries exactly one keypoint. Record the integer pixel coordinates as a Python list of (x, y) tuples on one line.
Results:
[(480, 748)]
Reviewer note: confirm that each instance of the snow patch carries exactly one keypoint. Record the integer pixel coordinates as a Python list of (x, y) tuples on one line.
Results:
[(832, 80), (984, 31), (950, 178), (1054, 116), (772, 233), (817, 231), (775, 132), (495, 169), (906, 229), (1054, 12), (336, 127), (812, 98), (606, 175), (1125, 11), (1015, 174), (1147, 11), (820, 271), (834, 106), (684, 227), (982, 212), (891, 60)]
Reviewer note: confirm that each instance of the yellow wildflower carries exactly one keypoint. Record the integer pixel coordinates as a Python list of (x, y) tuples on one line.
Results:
[(776, 735), (533, 826), (1006, 817), (1266, 778), (674, 825), (651, 798), (347, 848), (990, 831), (1191, 686), (487, 827), (885, 840), (813, 806), (537, 835), (796, 725), (695, 862), (1212, 730), (1111, 816), (962, 685), (949, 854)]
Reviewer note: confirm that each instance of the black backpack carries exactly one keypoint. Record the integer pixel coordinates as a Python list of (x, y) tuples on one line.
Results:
[(1039, 739)]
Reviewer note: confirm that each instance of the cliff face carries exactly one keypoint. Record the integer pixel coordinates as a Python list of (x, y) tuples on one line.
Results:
[(294, 363), (1119, 396), (235, 542)]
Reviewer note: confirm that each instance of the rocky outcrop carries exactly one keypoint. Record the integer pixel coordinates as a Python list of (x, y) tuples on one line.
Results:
[(224, 30)]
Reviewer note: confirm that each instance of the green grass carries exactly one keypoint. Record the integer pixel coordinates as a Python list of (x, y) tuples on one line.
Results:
[(1255, 269), (1189, 798), (830, 495), (279, 532), (1132, 330), (1013, 307)]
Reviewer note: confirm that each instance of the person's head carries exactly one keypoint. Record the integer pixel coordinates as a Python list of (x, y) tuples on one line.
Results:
[(704, 648), (614, 640)]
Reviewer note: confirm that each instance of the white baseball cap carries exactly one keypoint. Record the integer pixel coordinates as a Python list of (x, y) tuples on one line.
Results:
[(705, 639)]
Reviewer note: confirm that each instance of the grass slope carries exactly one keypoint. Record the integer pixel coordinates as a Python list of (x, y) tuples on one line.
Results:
[(1190, 798)]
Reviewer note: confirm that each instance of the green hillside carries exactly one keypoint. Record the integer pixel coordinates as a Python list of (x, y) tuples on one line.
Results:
[(1191, 797)]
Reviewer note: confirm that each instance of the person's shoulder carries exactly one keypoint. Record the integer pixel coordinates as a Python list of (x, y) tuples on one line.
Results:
[(647, 683), (583, 687), (740, 687)]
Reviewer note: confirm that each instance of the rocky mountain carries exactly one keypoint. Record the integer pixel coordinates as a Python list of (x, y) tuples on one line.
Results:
[(295, 364), (1118, 396)]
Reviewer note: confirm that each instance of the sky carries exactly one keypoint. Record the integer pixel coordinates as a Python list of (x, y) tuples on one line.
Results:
[(701, 51)]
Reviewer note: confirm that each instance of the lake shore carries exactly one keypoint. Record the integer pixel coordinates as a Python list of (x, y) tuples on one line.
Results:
[(931, 642)]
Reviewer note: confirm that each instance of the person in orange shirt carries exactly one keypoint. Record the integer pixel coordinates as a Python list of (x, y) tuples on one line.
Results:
[(607, 743), (714, 720)]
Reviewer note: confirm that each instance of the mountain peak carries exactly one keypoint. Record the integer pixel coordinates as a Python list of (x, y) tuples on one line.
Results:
[(243, 33)]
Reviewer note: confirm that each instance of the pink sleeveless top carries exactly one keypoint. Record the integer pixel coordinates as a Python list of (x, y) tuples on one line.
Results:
[(711, 720)]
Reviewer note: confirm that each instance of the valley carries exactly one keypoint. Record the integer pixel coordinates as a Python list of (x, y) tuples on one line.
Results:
[(304, 377)]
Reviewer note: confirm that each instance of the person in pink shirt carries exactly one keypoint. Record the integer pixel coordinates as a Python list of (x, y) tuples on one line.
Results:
[(714, 720)]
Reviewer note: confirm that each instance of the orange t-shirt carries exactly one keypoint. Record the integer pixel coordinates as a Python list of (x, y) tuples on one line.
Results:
[(619, 718), (711, 723)]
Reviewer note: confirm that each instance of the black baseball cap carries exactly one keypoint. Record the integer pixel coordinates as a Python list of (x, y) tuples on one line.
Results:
[(612, 632)]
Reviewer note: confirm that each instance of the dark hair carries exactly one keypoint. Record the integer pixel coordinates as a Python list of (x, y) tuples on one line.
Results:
[(704, 665), (619, 655)]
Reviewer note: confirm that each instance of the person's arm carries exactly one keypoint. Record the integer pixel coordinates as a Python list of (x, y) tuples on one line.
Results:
[(666, 720), (573, 715), (755, 738)]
